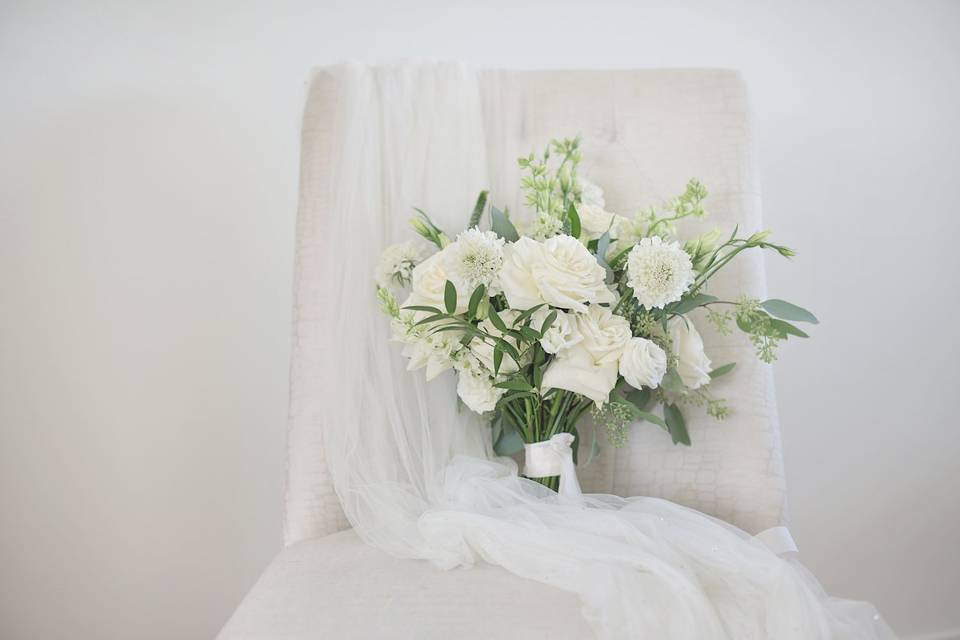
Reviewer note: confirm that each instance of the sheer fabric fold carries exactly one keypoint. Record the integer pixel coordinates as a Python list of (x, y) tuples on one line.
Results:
[(417, 476)]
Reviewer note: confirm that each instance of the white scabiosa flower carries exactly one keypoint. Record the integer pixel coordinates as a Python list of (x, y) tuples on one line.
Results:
[(397, 263), (475, 258), (643, 363), (478, 392), (658, 272)]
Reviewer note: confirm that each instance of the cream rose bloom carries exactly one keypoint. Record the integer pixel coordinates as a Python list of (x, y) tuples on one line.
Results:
[(562, 334), (605, 334), (430, 281), (558, 271), (478, 392), (643, 363), (576, 370), (693, 364), (590, 367), (594, 222)]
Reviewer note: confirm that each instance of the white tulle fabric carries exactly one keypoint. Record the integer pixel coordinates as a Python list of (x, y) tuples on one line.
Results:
[(417, 477)]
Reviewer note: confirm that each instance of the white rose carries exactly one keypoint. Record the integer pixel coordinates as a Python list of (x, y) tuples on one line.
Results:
[(591, 194), (516, 277), (594, 222), (604, 334), (484, 350), (562, 334), (643, 363), (559, 271), (478, 392), (576, 370), (430, 281), (693, 364)]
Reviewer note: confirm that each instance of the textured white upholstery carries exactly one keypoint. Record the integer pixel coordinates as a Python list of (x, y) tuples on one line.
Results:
[(339, 587), (645, 134)]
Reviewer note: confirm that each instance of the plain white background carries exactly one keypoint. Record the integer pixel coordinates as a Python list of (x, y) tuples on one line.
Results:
[(147, 204)]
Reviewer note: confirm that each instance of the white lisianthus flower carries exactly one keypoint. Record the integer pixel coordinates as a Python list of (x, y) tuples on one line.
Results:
[(575, 369), (397, 263), (562, 334), (693, 365), (594, 222), (559, 271), (478, 392), (658, 272), (430, 281), (475, 258), (484, 350), (643, 363), (591, 194)]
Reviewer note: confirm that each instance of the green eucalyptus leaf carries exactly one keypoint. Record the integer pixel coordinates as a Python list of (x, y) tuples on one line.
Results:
[(654, 418), (514, 384), (548, 322), (722, 370), (415, 307), (450, 297), (788, 311), (640, 398), (502, 226), (672, 381), (478, 210), (787, 329), (574, 219), (497, 320), (475, 301), (497, 359), (526, 314), (676, 424), (690, 303)]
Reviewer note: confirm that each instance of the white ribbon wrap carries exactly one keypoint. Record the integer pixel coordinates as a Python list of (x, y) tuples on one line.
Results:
[(554, 457)]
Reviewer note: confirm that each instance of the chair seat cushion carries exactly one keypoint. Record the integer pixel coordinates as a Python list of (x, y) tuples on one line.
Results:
[(339, 587)]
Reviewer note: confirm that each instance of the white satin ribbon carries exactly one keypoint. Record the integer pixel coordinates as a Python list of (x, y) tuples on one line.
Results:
[(554, 457), (778, 540)]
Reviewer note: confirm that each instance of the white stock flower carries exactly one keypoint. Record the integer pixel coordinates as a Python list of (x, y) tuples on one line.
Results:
[(591, 194), (484, 350), (693, 365), (562, 334), (658, 272), (475, 258), (605, 334), (397, 263), (643, 363), (435, 351), (478, 392), (559, 271), (594, 222)]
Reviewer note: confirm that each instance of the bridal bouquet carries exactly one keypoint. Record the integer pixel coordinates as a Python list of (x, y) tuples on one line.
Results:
[(581, 310)]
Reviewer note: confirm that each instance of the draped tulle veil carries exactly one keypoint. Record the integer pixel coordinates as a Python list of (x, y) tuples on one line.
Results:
[(417, 476)]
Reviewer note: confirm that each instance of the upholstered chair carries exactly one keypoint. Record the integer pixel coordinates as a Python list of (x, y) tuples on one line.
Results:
[(645, 133)]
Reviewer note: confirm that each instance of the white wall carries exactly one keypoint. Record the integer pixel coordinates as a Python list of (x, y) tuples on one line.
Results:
[(149, 173)]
